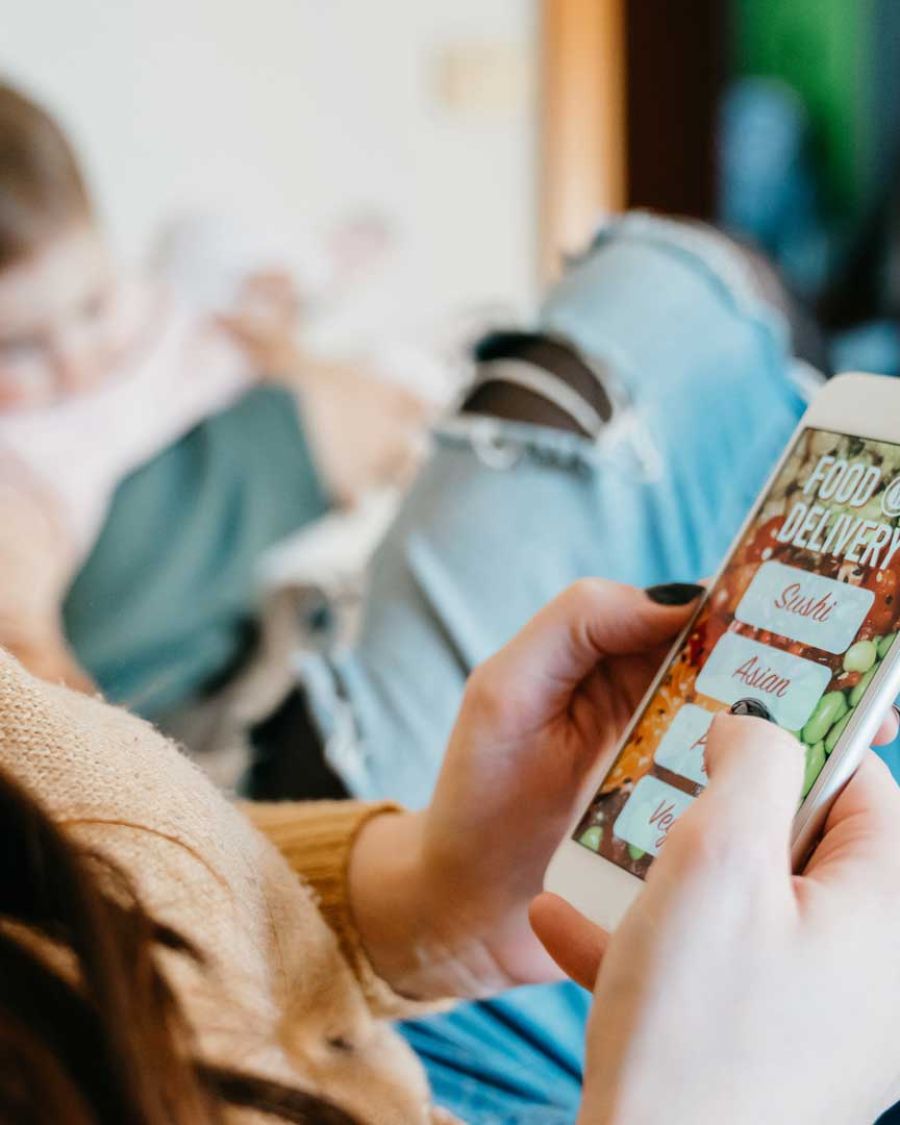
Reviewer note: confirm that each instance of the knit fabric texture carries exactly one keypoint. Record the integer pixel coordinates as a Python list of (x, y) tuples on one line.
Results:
[(281, 992)]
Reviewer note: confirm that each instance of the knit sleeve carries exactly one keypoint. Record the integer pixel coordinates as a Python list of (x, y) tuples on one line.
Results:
[(316, 838)]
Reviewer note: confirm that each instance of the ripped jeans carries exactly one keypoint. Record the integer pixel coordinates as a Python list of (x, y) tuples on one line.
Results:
[(504, 518)]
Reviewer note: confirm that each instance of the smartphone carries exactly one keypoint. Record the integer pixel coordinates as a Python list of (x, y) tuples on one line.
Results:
[(802, 616)]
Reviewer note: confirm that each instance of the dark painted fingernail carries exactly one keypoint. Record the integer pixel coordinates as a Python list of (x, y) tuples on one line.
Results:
[(896, 711), (674, 593), (751, 707)]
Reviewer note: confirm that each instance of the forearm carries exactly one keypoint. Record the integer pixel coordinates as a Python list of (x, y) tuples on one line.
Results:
[(38, 560)]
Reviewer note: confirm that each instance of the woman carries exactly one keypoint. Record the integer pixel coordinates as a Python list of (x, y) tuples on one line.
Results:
[(161, 962)]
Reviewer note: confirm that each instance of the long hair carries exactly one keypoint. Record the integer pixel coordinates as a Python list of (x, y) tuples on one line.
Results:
[(91, 1033)]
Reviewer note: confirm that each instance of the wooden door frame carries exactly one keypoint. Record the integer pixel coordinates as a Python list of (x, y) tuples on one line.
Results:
[(629, 97), (583, 128)]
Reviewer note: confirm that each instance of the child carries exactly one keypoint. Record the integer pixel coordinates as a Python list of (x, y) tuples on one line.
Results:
[(98, 376), (95, 374)]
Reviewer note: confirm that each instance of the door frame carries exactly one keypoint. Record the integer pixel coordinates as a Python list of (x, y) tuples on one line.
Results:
[(583, 128)]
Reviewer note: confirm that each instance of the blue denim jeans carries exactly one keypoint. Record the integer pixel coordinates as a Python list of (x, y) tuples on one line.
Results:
[(504, 516)]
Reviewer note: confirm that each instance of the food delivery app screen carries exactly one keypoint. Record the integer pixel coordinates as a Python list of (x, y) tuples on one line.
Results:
[(801, 619)]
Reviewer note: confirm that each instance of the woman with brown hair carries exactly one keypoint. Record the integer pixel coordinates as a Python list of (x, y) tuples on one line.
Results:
[(163, 961)]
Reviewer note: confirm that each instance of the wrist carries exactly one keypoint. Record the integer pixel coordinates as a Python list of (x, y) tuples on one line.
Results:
[(383, 881), (421, 930)]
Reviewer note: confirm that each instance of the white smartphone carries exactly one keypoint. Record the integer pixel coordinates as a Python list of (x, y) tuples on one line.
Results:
[(802, 616)]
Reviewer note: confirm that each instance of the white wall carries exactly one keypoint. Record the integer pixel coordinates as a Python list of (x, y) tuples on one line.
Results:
[(299, 109)]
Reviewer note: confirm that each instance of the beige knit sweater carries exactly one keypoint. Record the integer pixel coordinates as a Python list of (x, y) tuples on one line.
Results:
[(287, 992)]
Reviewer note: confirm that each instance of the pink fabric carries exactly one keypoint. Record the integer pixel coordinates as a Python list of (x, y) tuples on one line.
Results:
[(81, 448)]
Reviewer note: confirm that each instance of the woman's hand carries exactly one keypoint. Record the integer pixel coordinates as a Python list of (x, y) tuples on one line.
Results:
[(734, 991), (441, 897)]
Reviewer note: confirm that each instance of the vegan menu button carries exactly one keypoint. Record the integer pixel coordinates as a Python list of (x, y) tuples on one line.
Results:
[(649, 813), (804, 607), (739, 668), (684, 743)]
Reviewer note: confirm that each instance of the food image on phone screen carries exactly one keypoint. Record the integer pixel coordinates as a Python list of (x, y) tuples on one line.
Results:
[(801, 618)]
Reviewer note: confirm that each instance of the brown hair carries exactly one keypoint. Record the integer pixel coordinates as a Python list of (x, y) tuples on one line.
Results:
[(42, 189), (97, 1036)]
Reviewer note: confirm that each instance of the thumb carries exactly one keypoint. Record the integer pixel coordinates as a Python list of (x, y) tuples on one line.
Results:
[(590, 621), (755, 778), (574, 943)]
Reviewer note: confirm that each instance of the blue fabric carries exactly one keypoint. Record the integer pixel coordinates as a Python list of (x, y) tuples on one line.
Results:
[(768, 189), (890, 754), (871, 346), (507, 515), (516, 1060)]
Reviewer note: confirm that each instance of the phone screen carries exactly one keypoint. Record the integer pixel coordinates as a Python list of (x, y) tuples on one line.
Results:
[(800, 619)]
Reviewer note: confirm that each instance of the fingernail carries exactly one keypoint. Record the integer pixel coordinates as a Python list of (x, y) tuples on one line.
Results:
[(674, 593), (751, 707), (896, 711)]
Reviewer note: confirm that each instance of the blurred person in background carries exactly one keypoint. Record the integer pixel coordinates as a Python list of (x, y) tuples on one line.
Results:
[(100, 374)]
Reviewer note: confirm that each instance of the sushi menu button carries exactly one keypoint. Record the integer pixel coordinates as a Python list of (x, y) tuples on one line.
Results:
[(804, 607)]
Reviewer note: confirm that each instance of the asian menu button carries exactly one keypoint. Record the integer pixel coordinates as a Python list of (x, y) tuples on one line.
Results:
[(738, 668)]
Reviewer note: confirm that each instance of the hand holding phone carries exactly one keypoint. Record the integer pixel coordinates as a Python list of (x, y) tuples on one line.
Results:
[(733, 991), (536, 723), (802, 617)]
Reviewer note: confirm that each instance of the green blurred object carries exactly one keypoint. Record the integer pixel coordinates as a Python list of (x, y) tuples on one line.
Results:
[(859, 691), (829, 709), (824, 49), (163, 609), (860, 657)]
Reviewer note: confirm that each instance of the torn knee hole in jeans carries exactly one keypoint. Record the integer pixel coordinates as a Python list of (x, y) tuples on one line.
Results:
[(501, 451)]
